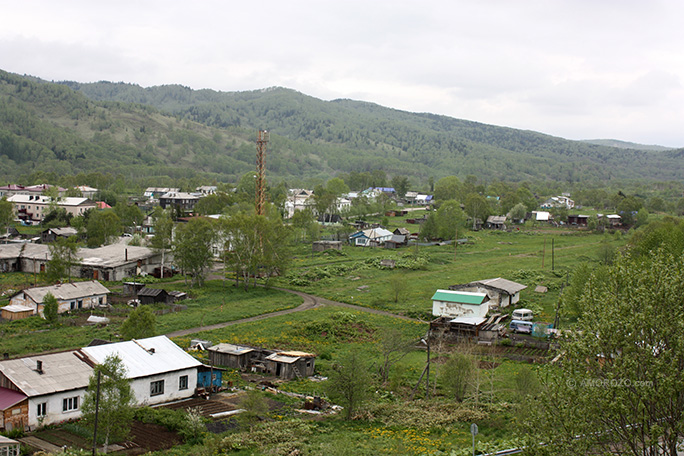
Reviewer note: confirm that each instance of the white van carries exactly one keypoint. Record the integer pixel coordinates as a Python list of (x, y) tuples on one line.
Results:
[(522, 314)]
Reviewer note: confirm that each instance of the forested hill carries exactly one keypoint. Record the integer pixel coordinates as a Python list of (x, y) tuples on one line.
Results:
[(398, 141), (153, 135)]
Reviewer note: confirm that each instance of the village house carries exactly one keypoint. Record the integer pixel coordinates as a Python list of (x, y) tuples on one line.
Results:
[(70, 296), (87, 192), (298, 199), (160, 371), (558, 201), (496, 222), (156, 192), (180, 201), (10, 190), (450, 303), (34, 208), (501, 292), (371, 237), (206, 190), (109, 262), (320, 246), (49, 388), (52, 234)]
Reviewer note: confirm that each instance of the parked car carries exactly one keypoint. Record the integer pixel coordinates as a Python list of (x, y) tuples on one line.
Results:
[(520, 326), (522, 314)]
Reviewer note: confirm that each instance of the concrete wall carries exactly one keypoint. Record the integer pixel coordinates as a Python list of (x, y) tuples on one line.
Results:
[(141, 387), (54, 408)]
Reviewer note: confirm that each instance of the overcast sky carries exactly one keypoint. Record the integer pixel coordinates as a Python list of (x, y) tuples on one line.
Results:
[(577, 69)]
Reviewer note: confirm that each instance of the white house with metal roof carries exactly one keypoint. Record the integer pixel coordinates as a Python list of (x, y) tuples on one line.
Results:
[(449, 303), (160, 371), (70, 296), (53, 385)]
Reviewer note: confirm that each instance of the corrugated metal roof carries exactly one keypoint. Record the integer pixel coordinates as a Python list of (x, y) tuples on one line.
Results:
[(145, 357), (61, 372), (297, 354), (461, 297), (231, 349), (150, 291), (67, 291), (503, 284)]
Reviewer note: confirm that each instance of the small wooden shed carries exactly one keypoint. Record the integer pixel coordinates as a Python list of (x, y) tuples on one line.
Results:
[(230, 355), (152, 295), (16, 312), (290, 364)]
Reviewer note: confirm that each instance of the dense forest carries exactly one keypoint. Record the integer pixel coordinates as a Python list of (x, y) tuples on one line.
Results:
[(172, 132)]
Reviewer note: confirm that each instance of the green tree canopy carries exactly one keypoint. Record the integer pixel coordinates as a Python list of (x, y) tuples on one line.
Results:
[(619, 384), (350, 383), (63, 257), (140, 324), (102, 227), (192, 248), (115, 405), (50, 308)]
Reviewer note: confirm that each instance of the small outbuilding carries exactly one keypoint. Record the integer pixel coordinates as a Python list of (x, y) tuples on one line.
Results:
[(231, 355), (290, 364), (320, 246), (501, 292), (16, 312), (152, 295), (448, 303)]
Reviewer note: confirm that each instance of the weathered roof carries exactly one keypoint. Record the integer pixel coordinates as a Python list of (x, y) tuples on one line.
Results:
[(280, 358), (496, 219), (475, 321), (67, 291), (65, 231), (153, 292), (68, 201), (508, 286), (145, 357), (461, 297), (15, 308), (231, 349), (297, 354), (61, 372), (398, 238), (9, 397), (27, 250), (179, 196), (113, 255)]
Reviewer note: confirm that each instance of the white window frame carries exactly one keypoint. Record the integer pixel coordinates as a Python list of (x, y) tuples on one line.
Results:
[(70, 404), (183, 382), (41, 409)]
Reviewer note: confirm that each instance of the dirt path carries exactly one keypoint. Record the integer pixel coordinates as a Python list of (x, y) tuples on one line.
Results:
[(310, 302)]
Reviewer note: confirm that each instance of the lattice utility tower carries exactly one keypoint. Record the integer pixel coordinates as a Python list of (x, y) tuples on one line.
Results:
[(262, 141)]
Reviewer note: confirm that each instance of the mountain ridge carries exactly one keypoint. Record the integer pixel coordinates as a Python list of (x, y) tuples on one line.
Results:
[(173, 131)]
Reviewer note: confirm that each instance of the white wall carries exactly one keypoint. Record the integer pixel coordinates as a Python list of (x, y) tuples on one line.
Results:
[(54, 408), (451, 309), (141, 387)]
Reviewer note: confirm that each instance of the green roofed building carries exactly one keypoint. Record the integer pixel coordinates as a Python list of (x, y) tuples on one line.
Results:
[(448, 303)]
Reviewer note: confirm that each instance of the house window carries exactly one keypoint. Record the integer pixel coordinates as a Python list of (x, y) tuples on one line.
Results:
[(73, 305), (80, 303), (157, 388), (69, 404), (183, 382), (100, 300), (41, 409)]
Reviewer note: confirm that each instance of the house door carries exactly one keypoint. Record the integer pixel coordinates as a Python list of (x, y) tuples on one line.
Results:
[(42, 267), (278, 369), (96, 274)]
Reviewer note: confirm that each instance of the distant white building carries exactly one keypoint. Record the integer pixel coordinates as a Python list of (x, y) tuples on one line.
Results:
[(34, 208), (298, 199), (558, 201), (70, 296)]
